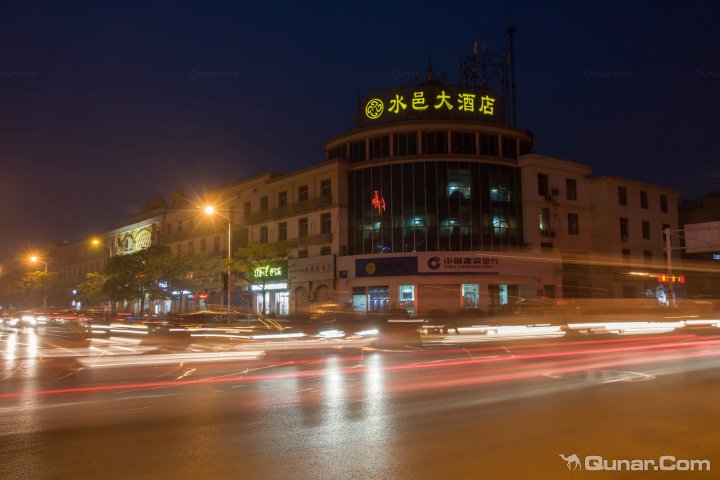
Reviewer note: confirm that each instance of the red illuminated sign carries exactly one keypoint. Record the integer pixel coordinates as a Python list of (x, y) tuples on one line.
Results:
[(378, 202)]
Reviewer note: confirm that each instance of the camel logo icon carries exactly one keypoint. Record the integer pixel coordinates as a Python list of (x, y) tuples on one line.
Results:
[(573, 461)]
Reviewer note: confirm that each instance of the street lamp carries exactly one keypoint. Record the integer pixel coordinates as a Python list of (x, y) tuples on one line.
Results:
[(96, 242), (210, 210), (34, 259)]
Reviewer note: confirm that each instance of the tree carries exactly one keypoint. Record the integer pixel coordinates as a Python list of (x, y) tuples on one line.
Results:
[(91, 291), (152, 272), (261, 263)]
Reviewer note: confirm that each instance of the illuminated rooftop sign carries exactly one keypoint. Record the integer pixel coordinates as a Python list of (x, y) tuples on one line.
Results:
[(429, 102)]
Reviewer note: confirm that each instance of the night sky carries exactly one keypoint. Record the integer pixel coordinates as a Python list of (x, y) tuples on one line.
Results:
[(104, 105)]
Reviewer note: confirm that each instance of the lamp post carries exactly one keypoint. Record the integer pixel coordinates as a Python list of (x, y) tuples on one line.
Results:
[(210, 210), (35, 259)]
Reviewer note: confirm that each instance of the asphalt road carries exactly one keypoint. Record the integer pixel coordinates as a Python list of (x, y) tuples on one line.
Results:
[(123, 408)]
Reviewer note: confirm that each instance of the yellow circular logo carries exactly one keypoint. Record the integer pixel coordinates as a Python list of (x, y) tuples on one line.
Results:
[(370, 268), (374, 108)]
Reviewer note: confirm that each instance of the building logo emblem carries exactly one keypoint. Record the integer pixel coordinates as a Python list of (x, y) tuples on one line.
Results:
[(434, 263), (370, 268), (374, 108), (573, 461)]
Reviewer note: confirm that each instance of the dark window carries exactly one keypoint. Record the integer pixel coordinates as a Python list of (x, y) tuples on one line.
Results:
[(325, 223), (264, 234), (303, 193), (573, 224), (434, 142), (302, 227), (302, 253), (643, 199), (282, 231), (571, 188), (543, 184), (263, 204), (525, 148), (509, 148), (463, 143), (191, 248), (216, 244), (380, 147), (489, 145), (203, 245), (626, 253), (645, 229), (282, 199), (622, 195), (357, 151), (325, 250), (647, 255), (405, 144), (247, 206), (243, 239), (624, 229), (325, 188), (338, 153), (663, 203)]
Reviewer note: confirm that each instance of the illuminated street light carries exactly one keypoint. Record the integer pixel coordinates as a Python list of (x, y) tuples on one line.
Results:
[(96, 242), (35, 259), (210, 210)]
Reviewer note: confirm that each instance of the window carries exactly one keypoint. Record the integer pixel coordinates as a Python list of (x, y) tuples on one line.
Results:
[(282, 231), (643, 199), (203, 245), (380, 147), (325, 223), (509, 148), (325, 188), (282, 199), (216, 244), (571, 188), (264, 234), (179, 249), (646, 230), (264, 204), (168, 229), (463, 143), (303, 193), (246, 210), (357, 151), (626, 253), (434, 142), (302, 227), (191, 248), (302, 253), (647, 256), (544, 219), (243, 238), (573, 224), (624, 229), (543, 183), (663, 203), (489, 145), (337, 153), (622, 195), (405, 144), (325, 251)]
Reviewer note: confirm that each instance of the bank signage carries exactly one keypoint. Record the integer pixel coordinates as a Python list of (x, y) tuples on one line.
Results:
[(431, 101), (459, 263), (385, 266)]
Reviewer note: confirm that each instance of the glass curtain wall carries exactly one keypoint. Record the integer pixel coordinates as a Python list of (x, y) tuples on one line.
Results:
[(434, 206)]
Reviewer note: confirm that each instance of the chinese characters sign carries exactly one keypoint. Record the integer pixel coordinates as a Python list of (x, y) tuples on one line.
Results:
[(431, 101)]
